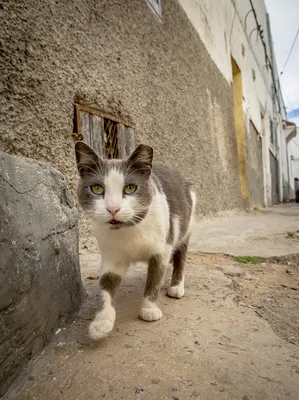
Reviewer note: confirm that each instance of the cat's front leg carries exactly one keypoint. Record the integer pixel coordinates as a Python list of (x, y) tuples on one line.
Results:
[(104, 320), (156, 268)]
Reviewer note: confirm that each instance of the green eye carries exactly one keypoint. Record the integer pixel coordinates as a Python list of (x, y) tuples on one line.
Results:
[(130, 189), (97, 189)]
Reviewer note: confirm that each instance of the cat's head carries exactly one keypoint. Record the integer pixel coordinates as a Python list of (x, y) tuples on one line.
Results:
[(115, 193)]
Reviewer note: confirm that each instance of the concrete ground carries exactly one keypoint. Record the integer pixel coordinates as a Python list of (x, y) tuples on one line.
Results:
[(258, 233), (233, 336)]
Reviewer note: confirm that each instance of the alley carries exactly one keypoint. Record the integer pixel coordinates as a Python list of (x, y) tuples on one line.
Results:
[(233, 336)]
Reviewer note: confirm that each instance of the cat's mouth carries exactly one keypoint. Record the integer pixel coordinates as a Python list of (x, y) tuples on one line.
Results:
[(114, 222)]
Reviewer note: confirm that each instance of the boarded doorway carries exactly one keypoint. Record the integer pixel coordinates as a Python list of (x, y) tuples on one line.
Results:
[(109, 136), (239, 125)]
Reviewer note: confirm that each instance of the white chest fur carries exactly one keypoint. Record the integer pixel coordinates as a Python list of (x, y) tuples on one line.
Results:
[(140, 242)]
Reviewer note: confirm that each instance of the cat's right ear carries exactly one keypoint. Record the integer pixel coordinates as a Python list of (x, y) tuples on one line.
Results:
[(141, 160), (87, 159)]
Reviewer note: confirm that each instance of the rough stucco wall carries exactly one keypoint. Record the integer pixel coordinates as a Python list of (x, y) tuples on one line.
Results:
[(118, 56), (254, 166)]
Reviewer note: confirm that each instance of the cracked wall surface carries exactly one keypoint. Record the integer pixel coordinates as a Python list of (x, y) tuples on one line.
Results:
[(119, 57), (40, 283)]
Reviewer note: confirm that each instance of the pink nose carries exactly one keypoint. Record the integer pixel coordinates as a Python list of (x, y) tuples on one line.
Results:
[(113, 210)]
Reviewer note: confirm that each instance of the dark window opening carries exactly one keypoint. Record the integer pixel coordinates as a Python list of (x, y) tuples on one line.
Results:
[(110, 139)]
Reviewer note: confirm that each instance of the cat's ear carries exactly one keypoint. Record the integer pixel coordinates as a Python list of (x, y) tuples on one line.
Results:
[(87, 159), (141, 160)]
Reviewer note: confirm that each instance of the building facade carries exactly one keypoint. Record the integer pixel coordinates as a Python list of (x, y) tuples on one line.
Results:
[(237, 35), (192, 79)]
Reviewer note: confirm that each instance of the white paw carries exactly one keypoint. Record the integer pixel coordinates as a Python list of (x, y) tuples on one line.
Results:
[(176, 291), (102, 324), (100, 329), (150, 314)]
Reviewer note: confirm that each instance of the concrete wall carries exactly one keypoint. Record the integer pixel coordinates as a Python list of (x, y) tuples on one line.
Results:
[(118, 56), (227, 33)]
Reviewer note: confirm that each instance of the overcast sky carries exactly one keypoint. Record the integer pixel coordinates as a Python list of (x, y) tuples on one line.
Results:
[(284, 19)]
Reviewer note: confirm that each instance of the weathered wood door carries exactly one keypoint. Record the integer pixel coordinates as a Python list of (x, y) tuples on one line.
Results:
[(108, 136)]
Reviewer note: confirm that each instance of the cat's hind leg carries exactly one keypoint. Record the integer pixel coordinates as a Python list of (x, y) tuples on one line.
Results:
[(176, 288), (105, 317), (156, 268)]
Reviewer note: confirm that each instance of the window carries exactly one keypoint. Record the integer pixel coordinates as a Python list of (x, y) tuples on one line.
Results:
[(156, 7), (109, 136)]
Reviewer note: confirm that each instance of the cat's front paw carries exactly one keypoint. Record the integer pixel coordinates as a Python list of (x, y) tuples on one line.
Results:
[(150, 314), (100, 329), (102, 324), (176, 291)]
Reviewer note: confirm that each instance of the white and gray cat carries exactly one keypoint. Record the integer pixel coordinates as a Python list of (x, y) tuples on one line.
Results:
[(140, 212)]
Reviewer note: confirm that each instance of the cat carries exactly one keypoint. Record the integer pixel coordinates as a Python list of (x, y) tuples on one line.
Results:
[(140, 212)]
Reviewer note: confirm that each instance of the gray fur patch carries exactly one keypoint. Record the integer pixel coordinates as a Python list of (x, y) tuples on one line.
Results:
[(109, 282), (177, 191), (154, 279), (179, 259)]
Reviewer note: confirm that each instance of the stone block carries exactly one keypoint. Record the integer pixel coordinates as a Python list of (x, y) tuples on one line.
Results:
[(40, 281)]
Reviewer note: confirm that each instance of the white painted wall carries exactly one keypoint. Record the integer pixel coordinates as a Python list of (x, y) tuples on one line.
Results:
[(222, 28)]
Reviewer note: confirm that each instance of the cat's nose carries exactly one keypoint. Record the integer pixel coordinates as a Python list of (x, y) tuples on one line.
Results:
[(113, 210)]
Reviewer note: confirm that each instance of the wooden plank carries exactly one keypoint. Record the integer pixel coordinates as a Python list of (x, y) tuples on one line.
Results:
[(102, 114), (130, 141), (84, 127), (96, 126), (77, 112), (121, 133)]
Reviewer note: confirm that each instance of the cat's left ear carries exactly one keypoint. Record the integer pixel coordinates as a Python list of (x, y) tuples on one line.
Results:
[(87, 159), (141, 160)]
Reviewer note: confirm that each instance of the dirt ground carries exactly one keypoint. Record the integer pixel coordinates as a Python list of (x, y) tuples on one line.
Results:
[(234, 335)]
